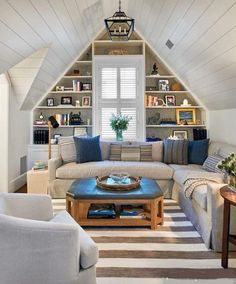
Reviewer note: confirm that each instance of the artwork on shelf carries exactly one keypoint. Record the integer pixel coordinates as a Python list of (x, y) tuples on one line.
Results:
[(86, 101), (75, 119), (76, 72), (180, 134), (154, 120), (66, 100), (80, 131), (186, 116), (164, 85), (87, 86), (170, 100), (154, 70), (60, 88), (176, 87), (50, 102)]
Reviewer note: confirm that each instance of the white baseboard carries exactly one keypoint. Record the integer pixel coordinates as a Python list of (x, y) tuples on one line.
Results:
[(17, 183)]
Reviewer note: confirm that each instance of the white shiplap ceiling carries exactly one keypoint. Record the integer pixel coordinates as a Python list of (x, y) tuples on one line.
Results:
[(203, 33)]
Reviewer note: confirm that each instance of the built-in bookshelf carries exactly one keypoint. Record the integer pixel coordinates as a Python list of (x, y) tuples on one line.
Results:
[(164, 95)]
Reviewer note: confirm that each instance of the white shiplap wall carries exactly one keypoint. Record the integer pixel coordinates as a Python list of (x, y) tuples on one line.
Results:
[(203, 33)]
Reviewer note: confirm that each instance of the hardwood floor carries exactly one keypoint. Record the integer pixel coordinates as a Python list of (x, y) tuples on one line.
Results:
[(23, 189)]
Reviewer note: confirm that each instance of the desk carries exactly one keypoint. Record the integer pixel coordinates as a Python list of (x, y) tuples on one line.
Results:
[(229, 199)]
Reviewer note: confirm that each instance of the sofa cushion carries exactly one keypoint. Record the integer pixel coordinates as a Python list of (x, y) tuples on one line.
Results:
[(176, 151), (115, 152), (189, 167), (181, 176), (130, 153), (211, 163), (157, 151), (67, 149), (198, 151), (88, 248), (146, 153), (105, 149), (87, 149), (153, 170)]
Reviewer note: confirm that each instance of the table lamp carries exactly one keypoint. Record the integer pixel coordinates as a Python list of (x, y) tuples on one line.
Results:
[(52, 122)]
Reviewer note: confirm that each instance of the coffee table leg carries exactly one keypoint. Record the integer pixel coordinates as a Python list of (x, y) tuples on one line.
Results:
[(161, 210), (154, 214)]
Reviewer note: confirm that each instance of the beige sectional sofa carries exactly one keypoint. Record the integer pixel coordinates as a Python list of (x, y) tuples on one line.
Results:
[(205, 209)]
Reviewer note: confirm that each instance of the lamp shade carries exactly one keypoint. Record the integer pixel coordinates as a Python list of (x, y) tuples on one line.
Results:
[(53, 121)]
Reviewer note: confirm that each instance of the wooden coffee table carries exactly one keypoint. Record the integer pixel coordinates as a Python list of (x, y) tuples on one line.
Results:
[(84, 192)]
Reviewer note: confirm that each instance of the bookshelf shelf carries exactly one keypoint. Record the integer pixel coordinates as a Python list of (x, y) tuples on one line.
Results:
[(176, 126), (64, 107), (77, 77), (172, 107), (167, 92), (71, 92), (159, 77), (63, 126)]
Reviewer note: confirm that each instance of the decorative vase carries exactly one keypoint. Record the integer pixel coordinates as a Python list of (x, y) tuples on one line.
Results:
[(119, 135), (232, 182)]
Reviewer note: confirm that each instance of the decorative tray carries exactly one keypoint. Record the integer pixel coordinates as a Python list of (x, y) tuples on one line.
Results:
[(107, 183)]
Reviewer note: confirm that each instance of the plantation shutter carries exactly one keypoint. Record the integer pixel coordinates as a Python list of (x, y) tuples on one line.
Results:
[(116, 92)]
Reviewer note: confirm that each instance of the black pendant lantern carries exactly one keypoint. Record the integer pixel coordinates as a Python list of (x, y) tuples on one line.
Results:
[(119, 26)]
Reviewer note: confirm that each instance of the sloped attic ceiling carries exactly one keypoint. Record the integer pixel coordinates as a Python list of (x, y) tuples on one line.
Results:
[(203, 33)]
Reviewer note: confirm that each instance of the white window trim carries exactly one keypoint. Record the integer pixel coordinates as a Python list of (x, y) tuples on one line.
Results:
[(109, 61)]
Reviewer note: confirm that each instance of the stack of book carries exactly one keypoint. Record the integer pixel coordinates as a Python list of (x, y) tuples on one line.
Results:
[(77, 86), (39, 165), (151, 100), (129, 211), (99, 211), (40, 136)]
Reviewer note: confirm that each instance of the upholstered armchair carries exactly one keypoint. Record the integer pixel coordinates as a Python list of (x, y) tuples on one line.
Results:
[(37, 247)]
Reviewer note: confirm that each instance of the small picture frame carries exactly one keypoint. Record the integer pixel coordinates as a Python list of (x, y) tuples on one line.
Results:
[(87, 86), (186, 116), (170, 100), (164, 85), (86, 101), (180, 134), (56, 137), (80, 131), (60, 88), (50, 102), (66, 100)]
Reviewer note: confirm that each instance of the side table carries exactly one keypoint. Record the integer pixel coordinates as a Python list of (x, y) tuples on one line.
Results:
[(37, 181), (229, 199)]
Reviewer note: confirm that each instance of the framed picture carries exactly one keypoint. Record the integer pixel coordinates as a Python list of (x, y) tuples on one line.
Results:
[(66, 100), (87, 86), (181, 134), (86, 101), (170, 100), (164, 85), (186, 116), (80, 131), (50, 102)]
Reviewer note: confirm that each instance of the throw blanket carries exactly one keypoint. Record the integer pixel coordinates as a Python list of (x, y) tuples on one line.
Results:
[(191, 183)]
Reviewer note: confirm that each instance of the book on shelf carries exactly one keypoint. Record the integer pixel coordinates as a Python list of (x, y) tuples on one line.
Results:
[(151, 100), (100, 211), (135, 212), (40, 136)]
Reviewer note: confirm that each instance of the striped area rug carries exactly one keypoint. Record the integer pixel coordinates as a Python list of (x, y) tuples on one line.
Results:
[(174, 251)]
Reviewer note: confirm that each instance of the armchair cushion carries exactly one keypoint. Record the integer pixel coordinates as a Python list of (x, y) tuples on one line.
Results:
[(88, 248), (35, 207)]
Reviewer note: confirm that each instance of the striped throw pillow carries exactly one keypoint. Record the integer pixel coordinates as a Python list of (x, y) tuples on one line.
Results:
[(130, 153), (146, 153), (67, 149), (176, 151), (211, 163), (115, 152)]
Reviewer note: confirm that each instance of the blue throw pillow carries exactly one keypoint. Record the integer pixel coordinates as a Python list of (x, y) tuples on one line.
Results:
[(87, 149), (198, 151)]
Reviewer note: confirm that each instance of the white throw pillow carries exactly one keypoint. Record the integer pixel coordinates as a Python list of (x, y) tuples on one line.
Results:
[(157, 151)]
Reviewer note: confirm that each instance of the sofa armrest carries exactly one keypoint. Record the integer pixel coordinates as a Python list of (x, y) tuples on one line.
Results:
[(215, 207), (53, 164), (28, 206), (49, 251)]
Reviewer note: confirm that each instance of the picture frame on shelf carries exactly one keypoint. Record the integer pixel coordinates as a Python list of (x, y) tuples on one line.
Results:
[(50, 102), (164, 85), (56, 137), (86, 101), (66, 100), (170, 100), (180, 134), (80, 131), (60, 88), (87, 86), (186, 116)]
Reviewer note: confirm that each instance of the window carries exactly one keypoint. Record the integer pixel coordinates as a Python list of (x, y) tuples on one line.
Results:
[(119, 88)]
